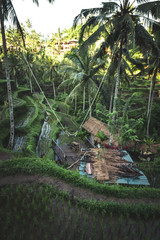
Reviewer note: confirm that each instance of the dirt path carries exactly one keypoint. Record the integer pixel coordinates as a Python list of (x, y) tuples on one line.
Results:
[(63, 186), (5, 156)]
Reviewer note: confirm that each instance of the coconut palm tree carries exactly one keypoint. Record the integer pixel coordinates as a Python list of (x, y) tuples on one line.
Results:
[(50, 72), (154, 70), (119, 20), (7, 9), (82, 70)]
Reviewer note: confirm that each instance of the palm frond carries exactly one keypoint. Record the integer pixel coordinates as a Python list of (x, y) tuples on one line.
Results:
[(50, 1), (102, 50), (74, 92), (96, 69), (10, 11), (90, 11), (134, 61), (91, 22), (109, 7), (147, 8), (84, 14), (36, 2), (156, 29), (150, 23), (92, 86), (112, 67), (126, 66), (79, 77), (68, 69), (97, 55), (126, 76), (145, 40), (93, 38), (75, 57), (141, 1), (76, 20), (65, 83)]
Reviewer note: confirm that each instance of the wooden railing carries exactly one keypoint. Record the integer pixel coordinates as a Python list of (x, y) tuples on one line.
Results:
[(59, 151)]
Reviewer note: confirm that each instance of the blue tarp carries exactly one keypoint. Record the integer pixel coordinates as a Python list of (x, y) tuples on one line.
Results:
[(137, 180)]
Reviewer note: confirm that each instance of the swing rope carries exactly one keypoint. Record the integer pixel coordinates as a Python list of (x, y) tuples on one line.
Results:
[(101, 83), (42, 91)]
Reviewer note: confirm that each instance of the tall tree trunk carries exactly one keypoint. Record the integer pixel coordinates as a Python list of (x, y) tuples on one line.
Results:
[(75, 107), (10, 99), (53, 86), (30, 80), (111, 99), (116, 92), (54, 89), (150, 99), (89, 102), (84, 97), (30, 83)]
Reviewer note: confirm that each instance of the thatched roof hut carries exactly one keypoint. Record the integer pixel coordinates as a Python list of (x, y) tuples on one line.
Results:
[(93, 126)]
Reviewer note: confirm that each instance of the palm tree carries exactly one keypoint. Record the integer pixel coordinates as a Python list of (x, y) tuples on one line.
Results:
[(50, 73), (82, 70), (154, 69), (7, 9), (14, 64), (119, 21)]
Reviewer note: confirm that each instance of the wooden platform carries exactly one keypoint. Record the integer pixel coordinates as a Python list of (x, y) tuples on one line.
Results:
[(68, 154)]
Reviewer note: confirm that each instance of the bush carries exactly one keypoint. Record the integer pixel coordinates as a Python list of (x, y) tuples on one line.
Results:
[(102, 136)]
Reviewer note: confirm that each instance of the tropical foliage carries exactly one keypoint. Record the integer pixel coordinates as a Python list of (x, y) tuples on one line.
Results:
[(113, 74)]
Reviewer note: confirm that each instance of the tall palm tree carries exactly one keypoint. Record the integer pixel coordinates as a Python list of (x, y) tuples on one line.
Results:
[(82, 69), (50, 72), (154, 70), (119, 20), (7, 9)]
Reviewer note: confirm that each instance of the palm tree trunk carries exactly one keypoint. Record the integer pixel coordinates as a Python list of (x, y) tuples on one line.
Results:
[(75, 108), (116, 88), (9, 90), (111, 99), (84, 92), (54, 90), (89, 101), (116, 92), (30, 81), (150, 99)]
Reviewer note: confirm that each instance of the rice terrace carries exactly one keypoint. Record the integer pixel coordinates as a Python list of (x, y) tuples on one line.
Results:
[(79, 124)]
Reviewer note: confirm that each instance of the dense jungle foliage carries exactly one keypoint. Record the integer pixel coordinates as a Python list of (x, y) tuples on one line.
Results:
[(110, 71)]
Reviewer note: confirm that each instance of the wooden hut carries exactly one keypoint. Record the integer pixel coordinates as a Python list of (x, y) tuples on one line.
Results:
[(94, 126)]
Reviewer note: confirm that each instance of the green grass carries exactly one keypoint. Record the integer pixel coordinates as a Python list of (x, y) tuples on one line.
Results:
[(50, 168), (36, 211)]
